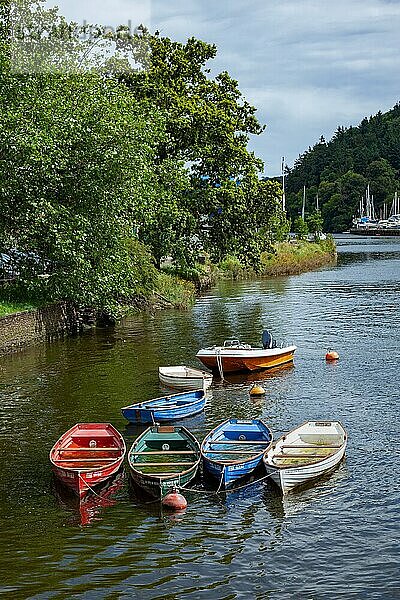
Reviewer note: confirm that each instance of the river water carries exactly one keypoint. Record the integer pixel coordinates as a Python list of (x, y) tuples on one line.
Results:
[(336, 539)]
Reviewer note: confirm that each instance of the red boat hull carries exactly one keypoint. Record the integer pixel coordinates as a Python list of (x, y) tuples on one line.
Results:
[(86, 455)]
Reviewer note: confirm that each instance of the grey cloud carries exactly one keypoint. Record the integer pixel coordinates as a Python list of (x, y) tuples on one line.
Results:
[(308, 65)]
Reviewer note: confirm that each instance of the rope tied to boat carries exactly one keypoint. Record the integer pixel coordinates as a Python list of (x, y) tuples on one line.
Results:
[(219, 363), (221, 479), (219, 491), (88, 486)]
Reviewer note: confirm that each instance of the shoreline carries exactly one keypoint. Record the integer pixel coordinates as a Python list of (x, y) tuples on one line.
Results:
[(23, 329)]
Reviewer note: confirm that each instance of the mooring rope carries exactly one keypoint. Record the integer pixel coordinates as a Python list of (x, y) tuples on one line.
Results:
[(221, 479), (216, 492), (88, 486), (219, 363)]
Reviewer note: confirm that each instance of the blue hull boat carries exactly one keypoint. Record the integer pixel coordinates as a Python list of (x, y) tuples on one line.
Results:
[(167, 408), (234, 449)]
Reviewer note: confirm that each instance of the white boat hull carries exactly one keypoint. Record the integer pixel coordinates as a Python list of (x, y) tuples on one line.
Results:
[(306, 443), (184, 378), (288, 479)]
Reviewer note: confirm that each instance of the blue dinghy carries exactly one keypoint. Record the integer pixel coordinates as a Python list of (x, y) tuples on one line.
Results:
[(167, 408), (235, 448)]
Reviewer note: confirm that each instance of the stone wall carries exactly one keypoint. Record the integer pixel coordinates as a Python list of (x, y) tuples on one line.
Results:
[(24, 329)]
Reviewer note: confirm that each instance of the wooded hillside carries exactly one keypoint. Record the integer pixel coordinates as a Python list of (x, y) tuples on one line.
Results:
[(339, 171)]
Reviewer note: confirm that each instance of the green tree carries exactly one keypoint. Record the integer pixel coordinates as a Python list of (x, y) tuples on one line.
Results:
[(75, 178), (315, 222), (300, 228)]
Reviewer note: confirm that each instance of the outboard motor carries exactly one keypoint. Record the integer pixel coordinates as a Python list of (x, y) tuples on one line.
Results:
[(266, 339)]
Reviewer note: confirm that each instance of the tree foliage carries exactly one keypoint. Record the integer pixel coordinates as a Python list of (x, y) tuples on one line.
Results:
[(117, 151)]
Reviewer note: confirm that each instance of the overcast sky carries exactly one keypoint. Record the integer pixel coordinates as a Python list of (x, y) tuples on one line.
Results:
[(307, 65)]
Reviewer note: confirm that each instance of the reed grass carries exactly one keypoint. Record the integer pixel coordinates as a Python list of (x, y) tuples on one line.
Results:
[(176, 291), (291, 258)]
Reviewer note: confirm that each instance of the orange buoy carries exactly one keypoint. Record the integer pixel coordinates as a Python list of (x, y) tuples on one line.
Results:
[(174, 500), (331, 355), (257, 390)]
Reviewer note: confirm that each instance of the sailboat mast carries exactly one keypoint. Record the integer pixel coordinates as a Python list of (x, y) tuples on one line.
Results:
[(283, 184), (303, 210)]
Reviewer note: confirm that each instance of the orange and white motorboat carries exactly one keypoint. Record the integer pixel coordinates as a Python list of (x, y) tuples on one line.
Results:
[(236, 356)]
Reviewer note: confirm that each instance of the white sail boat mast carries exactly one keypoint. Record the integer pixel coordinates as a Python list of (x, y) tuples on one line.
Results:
[(283, 184)]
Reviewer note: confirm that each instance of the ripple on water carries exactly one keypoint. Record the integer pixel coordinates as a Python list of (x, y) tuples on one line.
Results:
[(337, 539)]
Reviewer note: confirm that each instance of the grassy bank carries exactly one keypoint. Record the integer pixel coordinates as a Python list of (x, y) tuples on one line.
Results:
[(168, 291), (8, 308), (173, 289), (295, 257), (288, 258)]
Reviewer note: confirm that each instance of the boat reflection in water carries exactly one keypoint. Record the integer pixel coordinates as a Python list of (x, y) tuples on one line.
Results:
[(258, 376), (89, 508), (304, 496)]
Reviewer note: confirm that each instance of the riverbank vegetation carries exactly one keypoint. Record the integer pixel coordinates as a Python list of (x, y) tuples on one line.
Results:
[(287, 258), (339, 171), (118, 150), (9, 308)]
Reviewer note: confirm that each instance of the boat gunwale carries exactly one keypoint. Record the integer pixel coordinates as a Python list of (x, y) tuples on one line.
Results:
[(278, 468), (118, 459), (252, 352), (235, 462), (139, 405), (190, 438), (200, 374)]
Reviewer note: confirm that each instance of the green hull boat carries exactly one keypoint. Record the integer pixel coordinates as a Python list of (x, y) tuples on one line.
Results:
[(163, 457)]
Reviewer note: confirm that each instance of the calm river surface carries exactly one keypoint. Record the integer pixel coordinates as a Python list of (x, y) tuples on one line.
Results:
[(337, 539)]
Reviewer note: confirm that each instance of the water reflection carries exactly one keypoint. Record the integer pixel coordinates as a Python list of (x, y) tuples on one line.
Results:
[(88, 509), (216, 549)]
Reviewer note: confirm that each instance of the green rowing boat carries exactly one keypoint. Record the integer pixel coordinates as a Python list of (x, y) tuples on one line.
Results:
[(163, 457)]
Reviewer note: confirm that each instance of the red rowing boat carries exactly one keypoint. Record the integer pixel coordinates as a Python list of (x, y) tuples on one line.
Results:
[(86, 455)]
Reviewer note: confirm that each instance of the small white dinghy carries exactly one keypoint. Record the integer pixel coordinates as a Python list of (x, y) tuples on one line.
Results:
[(307, 452), (185, 378)]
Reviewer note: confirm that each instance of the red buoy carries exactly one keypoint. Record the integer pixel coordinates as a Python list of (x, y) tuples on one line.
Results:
[(331, 355), (174, 500)]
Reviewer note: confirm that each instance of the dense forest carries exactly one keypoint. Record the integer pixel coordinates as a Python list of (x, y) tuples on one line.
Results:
[(118, 149), (339, 171)]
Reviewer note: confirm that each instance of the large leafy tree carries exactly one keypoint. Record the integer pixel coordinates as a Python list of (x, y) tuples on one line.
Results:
[(208, 123), (76, 176), (109, 140)]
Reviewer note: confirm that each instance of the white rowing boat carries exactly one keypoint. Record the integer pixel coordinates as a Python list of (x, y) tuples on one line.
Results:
[(307, 452), (185, 378)]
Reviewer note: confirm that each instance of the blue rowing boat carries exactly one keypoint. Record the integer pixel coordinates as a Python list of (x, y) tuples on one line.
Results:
[(167, 408), (234, 449)]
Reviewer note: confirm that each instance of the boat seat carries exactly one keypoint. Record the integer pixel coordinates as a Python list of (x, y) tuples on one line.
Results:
[(87, 449), (310, 446), (92, 433), (303, 456), (223, 451), (164, 452), (244, 442), (163, 464)]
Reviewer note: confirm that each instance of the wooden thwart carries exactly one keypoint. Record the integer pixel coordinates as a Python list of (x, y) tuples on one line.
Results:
[(316, 446), (94, 459), (162, 464), (235, 442), (165, 452), (304, 456), (86, 449)]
